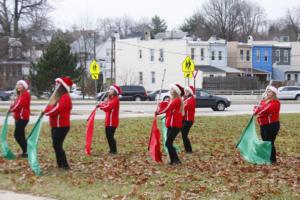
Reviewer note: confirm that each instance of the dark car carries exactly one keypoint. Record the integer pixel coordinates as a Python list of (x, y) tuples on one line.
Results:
[(133, 93), (4, 96), (152, 95), (206, 100)]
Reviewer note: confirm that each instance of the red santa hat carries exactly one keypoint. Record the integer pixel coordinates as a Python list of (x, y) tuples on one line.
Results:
[(66, 82), (25, 83), (116, 88), (191, 89), (273, 89), (179, 90)]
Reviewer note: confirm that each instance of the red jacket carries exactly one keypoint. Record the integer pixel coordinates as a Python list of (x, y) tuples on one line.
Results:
[(21, 107), (59, 114), (267, 112), (111, 109), (173, 113), (189, 108)]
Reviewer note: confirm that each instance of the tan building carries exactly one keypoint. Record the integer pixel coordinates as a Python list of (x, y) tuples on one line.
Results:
[(240, 56)]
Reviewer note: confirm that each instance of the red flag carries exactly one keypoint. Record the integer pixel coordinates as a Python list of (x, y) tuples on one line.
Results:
[(154, 143), (89, 132)]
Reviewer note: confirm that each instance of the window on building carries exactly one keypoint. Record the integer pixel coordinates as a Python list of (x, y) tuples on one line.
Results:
[(286, 56), (220, 55), (192, 53), (288, 77), (18, 53), (213, 55), (152, 77), (202, 53), (151, 54), (10, 53), (107, 52), (140, 54), (248, 55), (257, 55), (161, 55), (266, 55), (141, 78), (296, 77), (277, 55), (242, 55)]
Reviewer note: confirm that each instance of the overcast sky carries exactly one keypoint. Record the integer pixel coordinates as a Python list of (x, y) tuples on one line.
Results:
[(69, 12)]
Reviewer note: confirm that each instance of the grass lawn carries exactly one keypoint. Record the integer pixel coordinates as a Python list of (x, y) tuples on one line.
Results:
[(214, 171)]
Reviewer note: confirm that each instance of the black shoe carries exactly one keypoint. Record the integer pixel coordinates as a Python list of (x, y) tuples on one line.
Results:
[(177, 162), (24, 155), (113, 153)]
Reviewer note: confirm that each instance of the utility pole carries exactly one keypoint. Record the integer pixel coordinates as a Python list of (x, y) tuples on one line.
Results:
[(94, 41), (112, 62)]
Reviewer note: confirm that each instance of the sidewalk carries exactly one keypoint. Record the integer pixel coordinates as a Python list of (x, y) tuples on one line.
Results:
[(8, 195)]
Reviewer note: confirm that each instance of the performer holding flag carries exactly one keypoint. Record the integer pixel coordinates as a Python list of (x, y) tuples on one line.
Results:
[(59, 110), (111, 108), (268, 118), (21, 109), (189, 116), (174, 111)]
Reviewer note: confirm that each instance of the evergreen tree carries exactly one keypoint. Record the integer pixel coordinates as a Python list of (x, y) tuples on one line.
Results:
[(158, 25), (57, 61)]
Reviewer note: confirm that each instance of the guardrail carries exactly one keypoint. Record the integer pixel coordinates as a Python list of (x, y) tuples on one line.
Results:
[(236, 92)]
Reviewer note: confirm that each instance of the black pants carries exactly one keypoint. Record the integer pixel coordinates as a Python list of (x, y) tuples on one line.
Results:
[(58, 137), (268, 133), (171, 135), (186, 126), (20, 134), (110, 132)]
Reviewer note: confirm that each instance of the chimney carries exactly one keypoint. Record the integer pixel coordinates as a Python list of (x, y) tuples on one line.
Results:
[(147, 35)]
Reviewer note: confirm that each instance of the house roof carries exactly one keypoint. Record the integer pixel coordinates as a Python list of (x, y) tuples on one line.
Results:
[(287, 68), (215, 69)]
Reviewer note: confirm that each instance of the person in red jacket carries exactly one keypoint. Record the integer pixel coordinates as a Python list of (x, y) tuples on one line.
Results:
[(59, 110), (268, 118), (111, 108), (21, 110), (189, 115), (174, 111)]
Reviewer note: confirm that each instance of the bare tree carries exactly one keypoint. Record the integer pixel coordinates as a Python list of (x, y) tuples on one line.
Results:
[(292, 22), (126, 77), (252, 20), (12, 11)]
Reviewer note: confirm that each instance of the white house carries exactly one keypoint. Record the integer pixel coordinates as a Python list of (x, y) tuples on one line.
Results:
[(143, 61)]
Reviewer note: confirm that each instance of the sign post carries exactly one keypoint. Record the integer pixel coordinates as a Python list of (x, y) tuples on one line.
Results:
[(95, 71)]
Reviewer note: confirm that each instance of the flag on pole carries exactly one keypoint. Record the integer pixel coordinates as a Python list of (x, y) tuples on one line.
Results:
[(6, 152), (165, 130), (253, 149), (32, 146), (154, 142), (89, 132)]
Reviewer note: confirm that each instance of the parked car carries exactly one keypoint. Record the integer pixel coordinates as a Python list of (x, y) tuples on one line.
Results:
[(4, 96), (289, 92), (152, 95), (205, 100), (133, 93)]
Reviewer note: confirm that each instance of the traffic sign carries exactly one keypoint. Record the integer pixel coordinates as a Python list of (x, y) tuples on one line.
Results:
[(188, 74), (188, 65), (94, 68), (95, 76)]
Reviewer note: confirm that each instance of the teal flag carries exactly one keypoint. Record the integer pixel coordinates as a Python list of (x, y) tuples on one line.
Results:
[(253, 149), (32, 146), (6, 152), (165, 130)]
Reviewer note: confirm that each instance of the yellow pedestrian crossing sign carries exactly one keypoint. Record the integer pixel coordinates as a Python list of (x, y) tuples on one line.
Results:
[(94, 70), (188, 74), (188, 65)]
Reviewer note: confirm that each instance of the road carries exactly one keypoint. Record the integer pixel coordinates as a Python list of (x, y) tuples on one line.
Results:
[(145, 109)]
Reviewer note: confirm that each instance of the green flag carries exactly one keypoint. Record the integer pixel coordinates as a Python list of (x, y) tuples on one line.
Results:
[(253, 149), (32, 146), (6, 152), (164, 130)]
